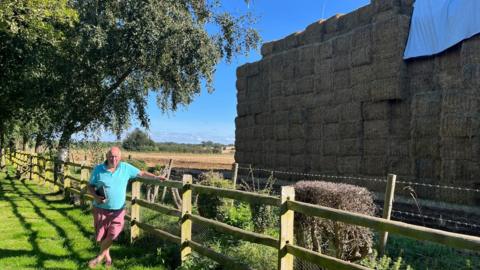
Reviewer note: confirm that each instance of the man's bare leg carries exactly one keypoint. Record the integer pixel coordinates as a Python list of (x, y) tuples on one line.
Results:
[(103, 254)]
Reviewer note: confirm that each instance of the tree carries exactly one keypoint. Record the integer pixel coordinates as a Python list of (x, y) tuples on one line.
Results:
[(121, 50), (138, 140)]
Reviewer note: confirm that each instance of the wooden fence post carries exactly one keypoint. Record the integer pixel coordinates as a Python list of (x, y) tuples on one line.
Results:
[(387, 208), (66, 182), (135, 211), (83, 179), (234, 175), (30, 166), (285, 260), (186, 223)]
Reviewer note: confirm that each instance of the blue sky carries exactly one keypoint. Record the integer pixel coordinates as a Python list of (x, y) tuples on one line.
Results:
[(212, 116)]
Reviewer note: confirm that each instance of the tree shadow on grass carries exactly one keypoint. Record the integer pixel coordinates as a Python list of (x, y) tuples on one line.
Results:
[(33, 238)]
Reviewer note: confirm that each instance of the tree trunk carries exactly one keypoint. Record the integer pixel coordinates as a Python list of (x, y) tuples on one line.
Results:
[(38, 143), (24, 142), (2, 145), (62, 156)]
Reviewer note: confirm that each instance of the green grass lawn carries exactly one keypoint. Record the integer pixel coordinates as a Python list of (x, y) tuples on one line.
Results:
[(40, 231)]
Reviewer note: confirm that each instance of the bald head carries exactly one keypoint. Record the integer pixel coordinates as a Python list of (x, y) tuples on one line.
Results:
[(114, 155)]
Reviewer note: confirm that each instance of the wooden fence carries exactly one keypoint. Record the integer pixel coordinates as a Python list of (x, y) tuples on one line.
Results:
[(39, 169)]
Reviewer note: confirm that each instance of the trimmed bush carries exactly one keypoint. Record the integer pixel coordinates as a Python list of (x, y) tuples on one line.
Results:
[(344, 241), (211, 206)]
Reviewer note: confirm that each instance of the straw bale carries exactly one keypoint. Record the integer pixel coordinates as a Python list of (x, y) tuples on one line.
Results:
[(456, 125), (282, 160), (426, 147), (375, 147), (279, 103), (349, 164), (327, 164), (245, 121), (330, 147), (324, 50), (276, 89), (425, 126), (305, 85), (348, 21), (374, 165), (297, 162), (268, 132), (296, 116), (361, 56), (365, 14), (399, 147), (330, 130), (400, 127), (426, 105), (361, 90), (350, 147), (314, 131), (450, 80), (471, 73), (376, 110), (280, 118), (342, 96), (267, 49), (258, 107), (323, 66), (421, 83), (331, 24), (314, 146), (459, 102), (322, 234), (279, 46), (292, 41), (242, 109), (305, 68), (362, 37), (400, 108), (258, 133), (341, 79), (315, 116), (361, 74), (296, 131), (387, 68), (352, 129), (470, 51), (456, 148), (342, 44), (376, 129), (399, 165), (427, 168), (323, 83), (351, 111), (314, 32), (281, 132), (388, 88), (341, 61), (331, 114)]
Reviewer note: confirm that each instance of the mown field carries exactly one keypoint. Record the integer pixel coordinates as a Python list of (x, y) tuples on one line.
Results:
[(182, 160)]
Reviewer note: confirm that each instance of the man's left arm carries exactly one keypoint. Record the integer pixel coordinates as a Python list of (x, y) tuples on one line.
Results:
[(147, 175)]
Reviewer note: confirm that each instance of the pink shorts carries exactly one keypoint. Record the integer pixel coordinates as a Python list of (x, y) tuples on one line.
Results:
[(108, 223)]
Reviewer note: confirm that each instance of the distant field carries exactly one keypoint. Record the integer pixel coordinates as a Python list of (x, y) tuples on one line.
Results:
[(183, 160)]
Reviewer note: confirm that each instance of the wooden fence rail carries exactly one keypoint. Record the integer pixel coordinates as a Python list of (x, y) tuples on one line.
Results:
[(285, 246)]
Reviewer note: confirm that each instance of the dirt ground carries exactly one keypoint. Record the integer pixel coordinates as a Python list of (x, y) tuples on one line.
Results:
[(180, 160)]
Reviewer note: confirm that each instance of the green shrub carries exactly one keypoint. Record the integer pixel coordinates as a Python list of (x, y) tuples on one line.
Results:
[(210, 206), (384, 263), (238, 215)]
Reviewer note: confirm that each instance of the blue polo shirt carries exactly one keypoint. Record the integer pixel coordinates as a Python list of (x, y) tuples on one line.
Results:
[(115, 184)]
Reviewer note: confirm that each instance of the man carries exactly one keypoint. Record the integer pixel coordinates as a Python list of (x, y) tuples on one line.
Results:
[(111, 177)]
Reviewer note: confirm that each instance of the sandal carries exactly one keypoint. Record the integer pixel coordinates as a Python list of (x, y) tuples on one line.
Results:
[(93, 263)]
